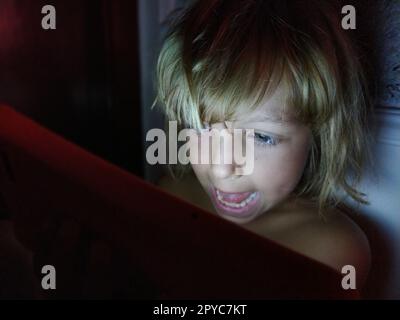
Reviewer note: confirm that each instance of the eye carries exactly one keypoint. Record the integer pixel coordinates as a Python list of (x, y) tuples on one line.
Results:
[(265, 140)]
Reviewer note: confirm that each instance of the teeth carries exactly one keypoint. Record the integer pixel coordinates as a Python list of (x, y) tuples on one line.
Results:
[(236, 205)]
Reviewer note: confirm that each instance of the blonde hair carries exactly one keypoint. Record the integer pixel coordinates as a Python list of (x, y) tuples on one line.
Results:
[(224, 57)]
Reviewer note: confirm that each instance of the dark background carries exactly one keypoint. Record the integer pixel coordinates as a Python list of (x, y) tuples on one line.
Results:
[(80, 80)]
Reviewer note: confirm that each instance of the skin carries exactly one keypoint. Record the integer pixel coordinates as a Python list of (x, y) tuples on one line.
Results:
[(334, 240), (279, 158)]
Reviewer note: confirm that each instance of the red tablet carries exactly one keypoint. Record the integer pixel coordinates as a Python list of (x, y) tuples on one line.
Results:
[(175, 248)]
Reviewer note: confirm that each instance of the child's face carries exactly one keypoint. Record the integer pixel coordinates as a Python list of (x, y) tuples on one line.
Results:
[(280, 153)]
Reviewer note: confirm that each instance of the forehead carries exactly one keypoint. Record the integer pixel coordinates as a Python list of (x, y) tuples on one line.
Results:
[(273, 108)]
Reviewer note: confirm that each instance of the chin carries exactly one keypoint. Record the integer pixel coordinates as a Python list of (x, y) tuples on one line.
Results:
[(241, 221)]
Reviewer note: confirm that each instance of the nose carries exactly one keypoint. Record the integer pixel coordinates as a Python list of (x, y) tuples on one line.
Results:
[(220, 167)]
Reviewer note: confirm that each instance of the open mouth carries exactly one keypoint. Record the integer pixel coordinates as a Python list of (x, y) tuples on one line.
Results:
[(236, 204)]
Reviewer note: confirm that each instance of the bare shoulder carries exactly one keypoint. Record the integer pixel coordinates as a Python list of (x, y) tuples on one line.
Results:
[(333, 239)]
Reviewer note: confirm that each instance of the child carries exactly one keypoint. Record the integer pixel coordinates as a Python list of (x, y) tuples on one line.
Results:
[(287, 70)]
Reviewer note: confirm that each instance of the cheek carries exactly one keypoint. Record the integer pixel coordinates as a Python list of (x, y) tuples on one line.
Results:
[(201, 172), (279, 174), (197, 169)]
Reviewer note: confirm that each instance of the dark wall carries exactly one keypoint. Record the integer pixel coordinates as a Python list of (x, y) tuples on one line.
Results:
[(80, 80)]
